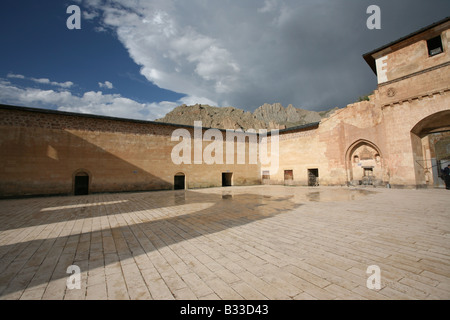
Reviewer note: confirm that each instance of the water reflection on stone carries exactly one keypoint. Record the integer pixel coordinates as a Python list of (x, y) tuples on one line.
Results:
[(258, 202), (328, 195)]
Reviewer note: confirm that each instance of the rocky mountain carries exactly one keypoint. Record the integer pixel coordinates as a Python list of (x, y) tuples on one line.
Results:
[(267, 116)]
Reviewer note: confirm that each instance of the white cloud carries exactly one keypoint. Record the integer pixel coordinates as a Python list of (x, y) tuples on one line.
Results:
[(192, 100), (90, 102), (4, 82), (160, 109), (46, 81), (42, 80), (106, 84), (100, 29), (15, 76), (90, 15), (244, 53), (269, 6), (210, 52), (66, 84), (172, 55)]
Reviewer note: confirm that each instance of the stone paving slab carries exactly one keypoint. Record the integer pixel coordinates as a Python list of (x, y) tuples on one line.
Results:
[(261, 242)]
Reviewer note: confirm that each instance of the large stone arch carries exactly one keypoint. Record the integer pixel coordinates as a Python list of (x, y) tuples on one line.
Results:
[(429, 139), (364, 164)]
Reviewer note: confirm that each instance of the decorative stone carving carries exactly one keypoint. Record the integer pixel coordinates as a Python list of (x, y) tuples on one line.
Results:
[(391, 92)]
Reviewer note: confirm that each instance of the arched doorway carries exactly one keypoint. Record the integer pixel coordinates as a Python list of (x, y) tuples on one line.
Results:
[(81, 183), (179, 182), (364, 164), (430, 140)]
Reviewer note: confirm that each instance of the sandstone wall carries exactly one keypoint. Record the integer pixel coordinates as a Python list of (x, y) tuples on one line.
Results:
[(299, 151), (419, 89), (386, 138), (41, 152), (405, 148), (383, 127), (330, 146), (411, 55)]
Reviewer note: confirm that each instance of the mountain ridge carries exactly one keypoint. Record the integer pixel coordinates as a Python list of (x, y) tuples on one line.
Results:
[(267, 116)]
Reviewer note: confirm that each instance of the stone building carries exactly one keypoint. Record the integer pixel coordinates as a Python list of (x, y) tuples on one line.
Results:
[(399, 137)]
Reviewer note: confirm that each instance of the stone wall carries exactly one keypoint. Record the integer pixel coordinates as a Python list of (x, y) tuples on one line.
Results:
[(42, 151), (390, 137), (329, 147), (386, 131)]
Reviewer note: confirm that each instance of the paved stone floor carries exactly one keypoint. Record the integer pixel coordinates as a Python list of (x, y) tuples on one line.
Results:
[(262, 242)]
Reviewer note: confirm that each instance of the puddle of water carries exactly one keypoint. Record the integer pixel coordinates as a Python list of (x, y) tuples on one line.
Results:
[(319, 195), (336, 195), (265, 203)]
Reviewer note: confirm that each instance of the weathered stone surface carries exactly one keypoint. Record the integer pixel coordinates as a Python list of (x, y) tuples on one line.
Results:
[(295, 245), (267, 116), (405, 125), (43, 151)]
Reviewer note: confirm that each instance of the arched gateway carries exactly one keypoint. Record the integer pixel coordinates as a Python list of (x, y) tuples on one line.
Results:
[(364, 164), (430, 139)]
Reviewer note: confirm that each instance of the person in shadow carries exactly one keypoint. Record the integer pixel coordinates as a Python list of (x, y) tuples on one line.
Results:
[(446, 177)]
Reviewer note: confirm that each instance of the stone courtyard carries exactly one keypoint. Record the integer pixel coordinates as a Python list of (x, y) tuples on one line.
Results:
[(237, 243)]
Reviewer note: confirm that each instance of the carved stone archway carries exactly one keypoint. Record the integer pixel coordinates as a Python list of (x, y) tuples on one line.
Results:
[(364, 164)]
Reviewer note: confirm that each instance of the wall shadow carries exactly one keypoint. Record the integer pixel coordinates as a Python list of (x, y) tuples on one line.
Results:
[(217, 212), (42, 160)]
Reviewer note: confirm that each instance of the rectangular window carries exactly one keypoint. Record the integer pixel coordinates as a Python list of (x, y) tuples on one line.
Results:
[(435, 46), (266, 175), (288, 175)]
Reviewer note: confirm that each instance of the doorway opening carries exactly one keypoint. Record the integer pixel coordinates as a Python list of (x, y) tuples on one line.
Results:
[(288, 177), (227, 178), (367, 179), (430, 139), (313, 177), (179, 181), (81, 184)]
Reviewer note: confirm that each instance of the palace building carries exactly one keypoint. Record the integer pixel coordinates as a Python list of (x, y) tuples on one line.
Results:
[(399, 138)]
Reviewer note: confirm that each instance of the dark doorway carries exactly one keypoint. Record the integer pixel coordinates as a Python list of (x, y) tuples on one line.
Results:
[(179, 182), (313, 177), (227, 179), (368, 177), (81, 186)]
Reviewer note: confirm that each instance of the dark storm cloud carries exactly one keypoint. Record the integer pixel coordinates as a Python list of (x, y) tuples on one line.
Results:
[(316, 59), (246, 53)]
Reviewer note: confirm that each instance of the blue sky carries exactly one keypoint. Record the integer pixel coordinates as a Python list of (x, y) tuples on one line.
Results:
[(39, 46), (142, 58)]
